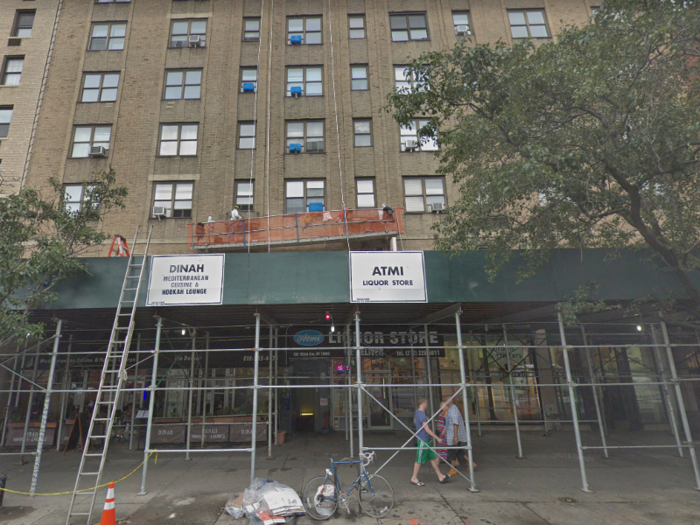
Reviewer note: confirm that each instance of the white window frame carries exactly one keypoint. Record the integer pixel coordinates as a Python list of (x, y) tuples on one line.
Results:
[(170, 203), (305, 83), (114, 38), (361, 190), (305, 186), (78, 143), (305, 33), (426, 195), (105, 89), (245, 194), (178, 140)]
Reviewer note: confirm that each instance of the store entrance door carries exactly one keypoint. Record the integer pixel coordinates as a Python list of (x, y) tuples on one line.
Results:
[(378, 385)]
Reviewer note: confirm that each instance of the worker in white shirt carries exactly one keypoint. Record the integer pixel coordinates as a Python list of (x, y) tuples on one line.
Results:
[(235, 216)]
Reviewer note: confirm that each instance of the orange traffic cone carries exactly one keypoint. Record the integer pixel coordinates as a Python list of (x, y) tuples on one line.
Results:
[(109, 514)]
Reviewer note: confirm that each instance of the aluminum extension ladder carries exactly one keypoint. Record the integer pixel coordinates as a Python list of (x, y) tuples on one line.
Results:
[(113, 376)]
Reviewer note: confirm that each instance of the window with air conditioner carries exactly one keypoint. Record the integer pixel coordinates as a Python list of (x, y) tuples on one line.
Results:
[(5, 120), (528, 23), (308, 80), (307, 134), (356, 25), (24, 24), (422, 193), (359, 78), (300, 193), (304, 30), (12, 71), (246, 135), (408, 26), (178, 140), (406, 82), (365, 193), (411, 139), (461, 23), (188, 33), (173, 200), (183, 84), (88, 139), (251, 29), (249, 80), (100, 87), (107, 36)]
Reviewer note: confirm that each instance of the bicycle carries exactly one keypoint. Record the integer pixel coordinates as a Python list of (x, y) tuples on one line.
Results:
[(323, 494)]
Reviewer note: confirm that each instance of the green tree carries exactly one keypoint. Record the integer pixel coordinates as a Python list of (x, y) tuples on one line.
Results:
[(589, 140), (41, 242)]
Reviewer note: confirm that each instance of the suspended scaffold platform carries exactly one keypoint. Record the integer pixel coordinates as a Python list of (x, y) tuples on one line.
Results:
[(297, 228)]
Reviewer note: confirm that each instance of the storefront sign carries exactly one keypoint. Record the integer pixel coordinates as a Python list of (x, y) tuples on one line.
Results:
[(15, 437), (309, 338), (213, 433), (242, 432), (186, 280), (387, 277), (170, 434)]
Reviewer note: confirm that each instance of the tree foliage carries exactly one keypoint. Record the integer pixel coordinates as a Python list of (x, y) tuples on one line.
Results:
[(589, 140), (40, 244)]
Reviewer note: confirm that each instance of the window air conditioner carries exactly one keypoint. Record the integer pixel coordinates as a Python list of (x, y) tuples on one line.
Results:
[(462, 29), (295, 91), (437, 207), (248, 87), (159, 211), (196, 41), (98, 151), (295, 40), (295, 148), (315, 147), (411, 144)]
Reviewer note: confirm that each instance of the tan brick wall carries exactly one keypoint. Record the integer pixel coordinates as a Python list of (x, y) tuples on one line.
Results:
[(24, 97), (139, 110)]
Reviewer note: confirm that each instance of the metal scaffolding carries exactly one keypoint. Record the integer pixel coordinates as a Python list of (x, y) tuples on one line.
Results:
[(524, 375)]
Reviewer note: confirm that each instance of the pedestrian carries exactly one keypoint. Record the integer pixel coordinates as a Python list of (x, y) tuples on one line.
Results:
[(425, 453), (442, 432), (456, 436)]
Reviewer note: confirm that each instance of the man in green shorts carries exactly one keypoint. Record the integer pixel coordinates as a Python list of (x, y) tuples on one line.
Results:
[(424, 453)]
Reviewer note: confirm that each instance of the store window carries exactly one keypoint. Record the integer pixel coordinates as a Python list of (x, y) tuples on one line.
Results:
[(301, 193)]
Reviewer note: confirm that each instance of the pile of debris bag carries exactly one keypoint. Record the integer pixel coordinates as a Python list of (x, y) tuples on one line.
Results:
[(266, 502)]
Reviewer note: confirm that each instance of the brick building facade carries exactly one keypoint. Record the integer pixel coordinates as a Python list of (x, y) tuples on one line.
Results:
[(160, 84)]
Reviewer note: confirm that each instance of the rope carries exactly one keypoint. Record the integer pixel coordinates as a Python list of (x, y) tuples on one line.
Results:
[(337, 127), (88, 489), (267, 126)]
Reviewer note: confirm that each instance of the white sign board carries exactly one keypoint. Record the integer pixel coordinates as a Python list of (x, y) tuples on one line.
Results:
[(387, 277), (178, 280)]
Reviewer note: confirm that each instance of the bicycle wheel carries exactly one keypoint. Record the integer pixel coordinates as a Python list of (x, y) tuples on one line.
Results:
[(376, 497), (320, 498)]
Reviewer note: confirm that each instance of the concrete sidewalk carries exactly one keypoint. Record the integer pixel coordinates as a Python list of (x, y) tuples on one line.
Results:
[(631, 487)]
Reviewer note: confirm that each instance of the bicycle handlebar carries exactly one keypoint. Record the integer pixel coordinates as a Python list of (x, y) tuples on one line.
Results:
[(367, 458)]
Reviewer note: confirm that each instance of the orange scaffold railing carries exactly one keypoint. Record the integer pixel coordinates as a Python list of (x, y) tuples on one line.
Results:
[(296, 228)]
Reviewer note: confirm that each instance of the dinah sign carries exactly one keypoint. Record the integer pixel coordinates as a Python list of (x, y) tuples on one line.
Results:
[(387, 277), (186, 280)]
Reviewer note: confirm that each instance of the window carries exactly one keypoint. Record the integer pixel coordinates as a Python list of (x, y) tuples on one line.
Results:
[(309, 135), (183, 84), (461, 23), (244, 195), (178, 139), (408, 27), (175, 198), (309, 29), (301, 193), (86, 137), (528, 24), (24, 23), (357, 26), (363, 133), (12, 71), (251, 30), (359, 78), (183, 29), (309, 79), (100, 87), (410, 137), (249, 76), (246, 135), (108, 37), (75, 196), (365, 193), (423, 192), (406, 81), (5, 119)]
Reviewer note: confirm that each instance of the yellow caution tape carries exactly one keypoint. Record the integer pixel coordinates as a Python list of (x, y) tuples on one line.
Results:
[(88, 489)]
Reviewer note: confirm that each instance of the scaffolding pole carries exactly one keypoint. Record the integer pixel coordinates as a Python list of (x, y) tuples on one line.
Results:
[(256, 365), (133, 396), (269, 397), (189, 403), (151, 406), (511, 388), (572, 400), (594, 388), (29, 404), (9, 398), (64, 395), (358, 364), (463, 377), (681, 405)]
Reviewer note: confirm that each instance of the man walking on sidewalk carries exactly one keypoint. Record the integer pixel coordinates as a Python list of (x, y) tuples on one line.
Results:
[(456, 436), (425, 452)]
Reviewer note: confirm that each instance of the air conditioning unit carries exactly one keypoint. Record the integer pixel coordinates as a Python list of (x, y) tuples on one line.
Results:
[(98, 151), (248, 87), (160, 211), (315, 147), (411, 144), (462, 30), (195, 41), (295, 148), (437, 207), (295, 91), (295, 40)]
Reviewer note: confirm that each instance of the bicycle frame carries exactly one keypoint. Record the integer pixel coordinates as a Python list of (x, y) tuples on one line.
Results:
[(355, 484)]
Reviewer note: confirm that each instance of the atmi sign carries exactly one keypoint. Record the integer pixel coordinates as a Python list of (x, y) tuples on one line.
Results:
[(387, 277), (186, 280)]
